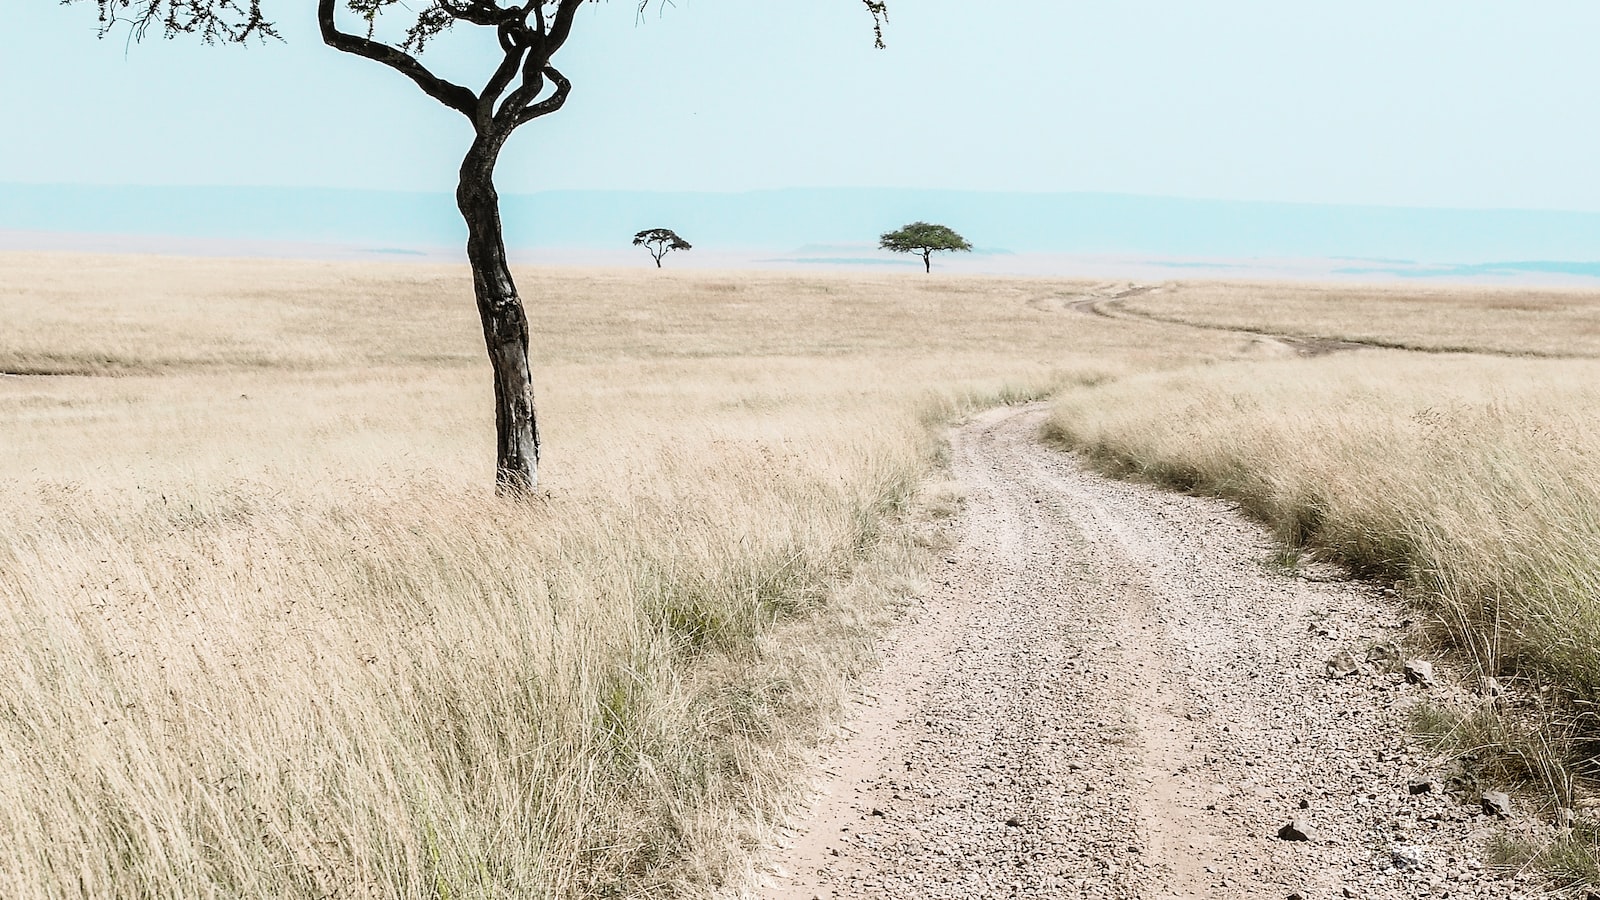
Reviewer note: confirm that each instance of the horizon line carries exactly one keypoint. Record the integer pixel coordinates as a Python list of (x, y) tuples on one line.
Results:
[(1134, 195)]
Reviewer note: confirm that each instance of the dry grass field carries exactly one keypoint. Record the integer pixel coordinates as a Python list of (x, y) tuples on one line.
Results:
[(268, 633), (1524, 321)]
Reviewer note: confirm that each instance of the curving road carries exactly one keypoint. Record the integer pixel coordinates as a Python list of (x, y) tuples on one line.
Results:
[(1118, 692)]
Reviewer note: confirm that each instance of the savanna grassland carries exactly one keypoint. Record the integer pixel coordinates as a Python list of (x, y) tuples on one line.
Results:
[(268, 633), (1470, 479)]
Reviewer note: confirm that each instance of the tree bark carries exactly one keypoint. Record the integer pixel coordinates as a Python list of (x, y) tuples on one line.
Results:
[(927, 261), (505, 323)]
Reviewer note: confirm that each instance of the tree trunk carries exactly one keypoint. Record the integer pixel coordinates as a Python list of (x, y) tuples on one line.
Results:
[(927, 261), (658, 259), (505, 324)]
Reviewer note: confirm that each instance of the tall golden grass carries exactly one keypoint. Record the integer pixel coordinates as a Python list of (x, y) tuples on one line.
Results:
[(1474, 479), (267, 631)]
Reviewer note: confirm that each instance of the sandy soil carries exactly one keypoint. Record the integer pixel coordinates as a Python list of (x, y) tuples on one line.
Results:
[(1115, 691)]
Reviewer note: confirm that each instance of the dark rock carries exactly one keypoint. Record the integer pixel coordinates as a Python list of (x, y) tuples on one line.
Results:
[(1419, 786), (1496, 803), (1419, 671), (1297, 830)]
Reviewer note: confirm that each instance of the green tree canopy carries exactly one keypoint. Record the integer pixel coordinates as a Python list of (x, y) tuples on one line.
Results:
[(923, 238), (659, 241)]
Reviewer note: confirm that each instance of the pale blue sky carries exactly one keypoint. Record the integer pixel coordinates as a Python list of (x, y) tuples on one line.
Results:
[(1423, 102)]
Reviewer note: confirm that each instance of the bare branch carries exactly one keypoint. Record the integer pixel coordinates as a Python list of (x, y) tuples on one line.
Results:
[(501, 79), (478, 12), (561, 25), (550, 104), (452, 95)]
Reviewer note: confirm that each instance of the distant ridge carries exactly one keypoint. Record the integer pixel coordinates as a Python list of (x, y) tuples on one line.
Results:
[(777, 221)]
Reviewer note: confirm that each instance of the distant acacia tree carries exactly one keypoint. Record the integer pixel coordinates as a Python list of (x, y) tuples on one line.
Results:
[(659, 241), (522, 87), (923, 238)]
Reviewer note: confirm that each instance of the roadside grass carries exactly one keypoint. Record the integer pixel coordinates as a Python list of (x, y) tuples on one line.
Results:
[(1519, 320), (268, 633), (408, 690), (1473, 482)]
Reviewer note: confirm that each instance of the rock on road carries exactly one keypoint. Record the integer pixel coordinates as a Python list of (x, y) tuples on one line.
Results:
[(1114, 691)]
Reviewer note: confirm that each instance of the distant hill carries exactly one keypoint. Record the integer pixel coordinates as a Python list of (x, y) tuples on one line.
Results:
[(778, 221)]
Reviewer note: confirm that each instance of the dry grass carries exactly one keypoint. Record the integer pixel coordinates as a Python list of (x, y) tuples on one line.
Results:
[(1544, 322), (268, 633), (1472, 480)]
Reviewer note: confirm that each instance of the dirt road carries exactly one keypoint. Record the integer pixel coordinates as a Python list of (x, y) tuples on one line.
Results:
[(1106, 301), (1115, 691)]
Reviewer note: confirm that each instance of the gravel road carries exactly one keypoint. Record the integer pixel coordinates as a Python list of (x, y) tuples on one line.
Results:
[(1117, 691)]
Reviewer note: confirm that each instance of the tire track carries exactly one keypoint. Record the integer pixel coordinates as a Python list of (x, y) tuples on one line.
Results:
[(1109, 306)]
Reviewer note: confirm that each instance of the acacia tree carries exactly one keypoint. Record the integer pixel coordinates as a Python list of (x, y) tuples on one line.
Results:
[(923, 238), (522, 86), (658, 241)]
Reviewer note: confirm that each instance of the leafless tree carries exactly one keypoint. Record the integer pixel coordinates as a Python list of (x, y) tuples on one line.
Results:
[(523, 86)]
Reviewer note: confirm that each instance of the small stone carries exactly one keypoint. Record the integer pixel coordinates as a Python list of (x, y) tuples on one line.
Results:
[(1419, 671), (1342, 665), (1297, 830), (1405, 858), (1384, 656), (1013, 822), (878, 812), (1419, 786), (1496, 803), (1304, 803), (1297, 896)]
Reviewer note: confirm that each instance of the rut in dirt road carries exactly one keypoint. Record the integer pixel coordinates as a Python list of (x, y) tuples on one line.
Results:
[(1117, 692), (1108, 304)]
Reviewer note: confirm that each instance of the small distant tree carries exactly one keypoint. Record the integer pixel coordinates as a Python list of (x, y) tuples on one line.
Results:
[(659, 241), (923, 238)]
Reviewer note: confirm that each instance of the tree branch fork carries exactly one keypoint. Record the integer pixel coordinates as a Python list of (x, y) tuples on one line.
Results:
[(529, 34)]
